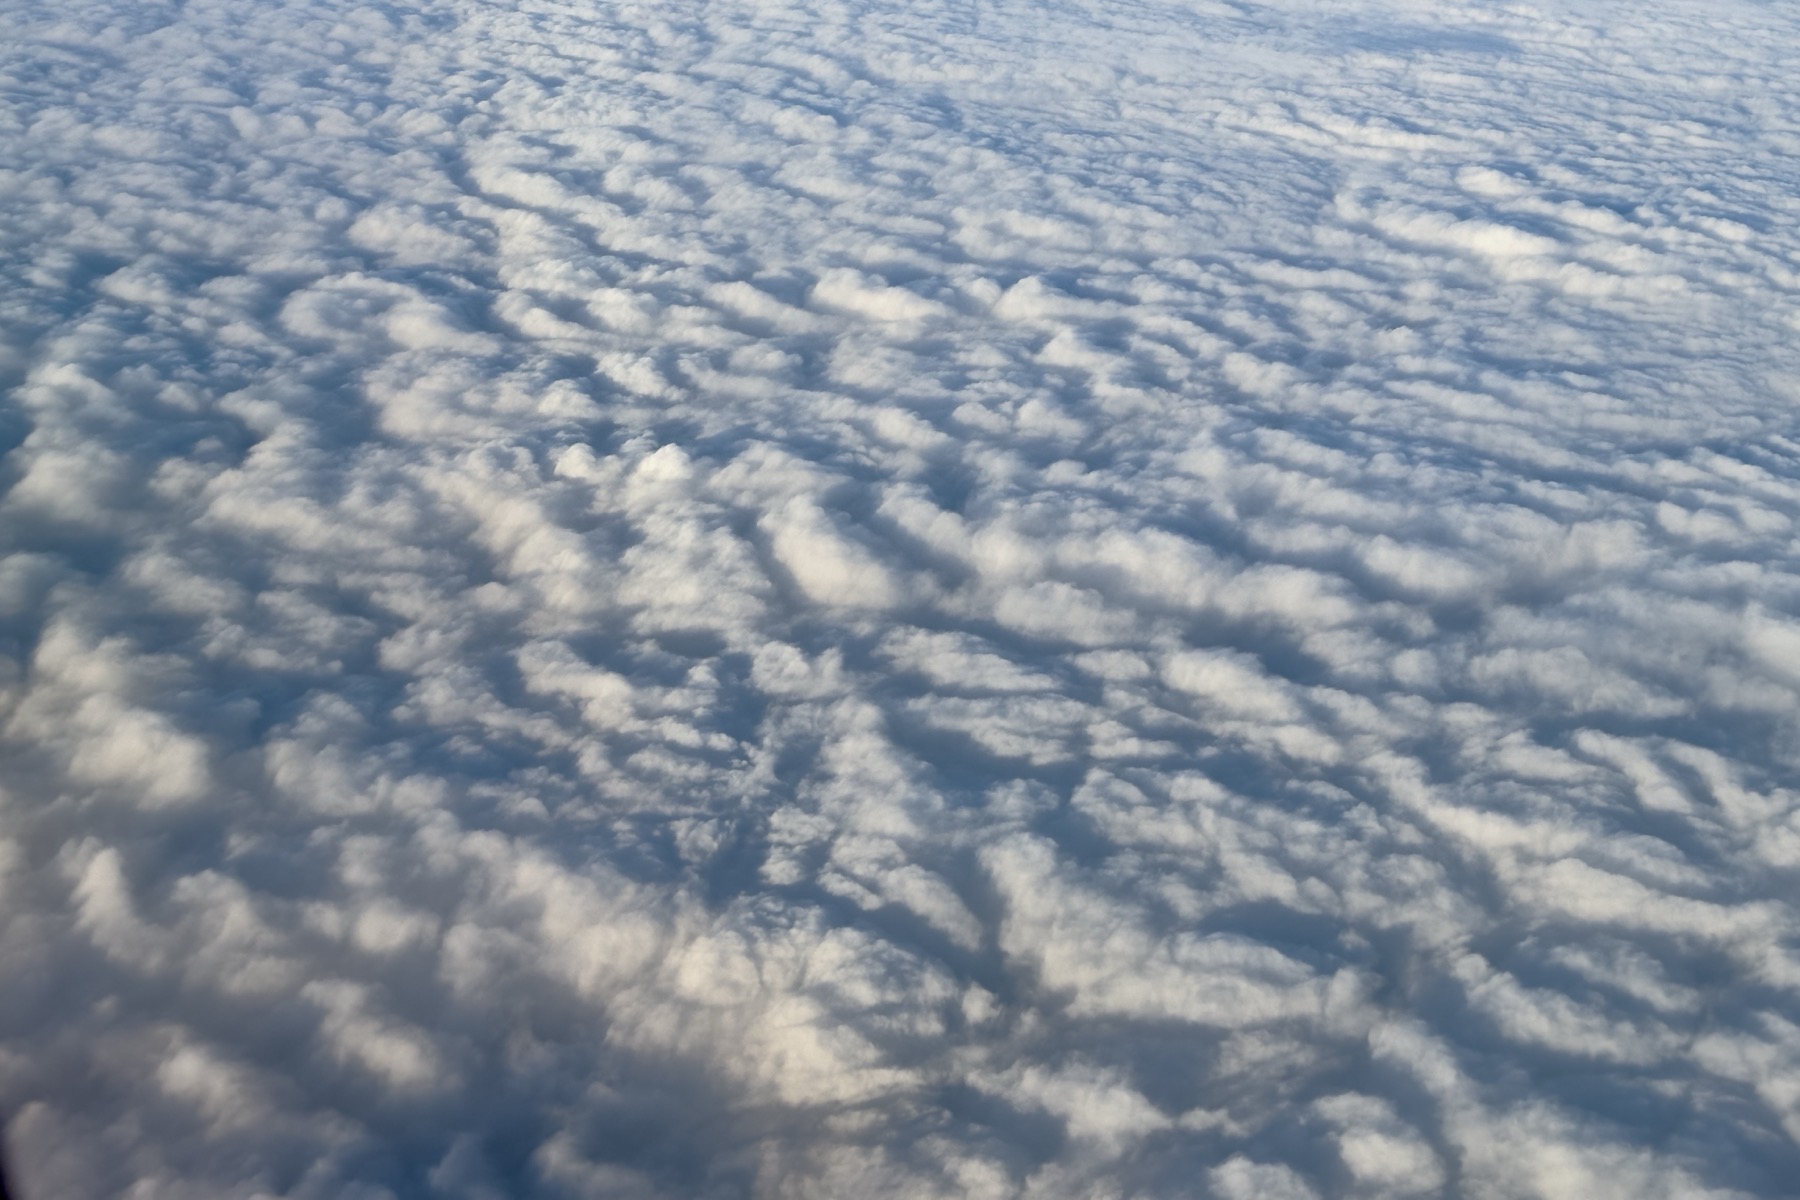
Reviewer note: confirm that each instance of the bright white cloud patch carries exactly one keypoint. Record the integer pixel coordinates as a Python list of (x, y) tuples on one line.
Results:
[(947, 599)]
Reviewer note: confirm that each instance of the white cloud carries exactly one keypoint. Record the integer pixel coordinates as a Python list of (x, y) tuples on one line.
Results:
[(806, 600)]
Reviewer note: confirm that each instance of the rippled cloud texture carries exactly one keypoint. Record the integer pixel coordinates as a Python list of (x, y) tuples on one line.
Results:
[(962, 599)]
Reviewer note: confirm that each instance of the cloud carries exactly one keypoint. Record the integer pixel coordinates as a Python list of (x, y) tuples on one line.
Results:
[(803, 600)]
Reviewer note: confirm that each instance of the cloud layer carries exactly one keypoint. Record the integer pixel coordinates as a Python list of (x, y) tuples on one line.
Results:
[(815, 599)]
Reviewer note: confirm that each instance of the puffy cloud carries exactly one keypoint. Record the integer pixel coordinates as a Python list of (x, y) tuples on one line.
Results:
[(789, 599)]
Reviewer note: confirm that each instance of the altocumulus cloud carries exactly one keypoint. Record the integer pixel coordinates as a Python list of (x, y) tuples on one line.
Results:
[(967, 599)]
